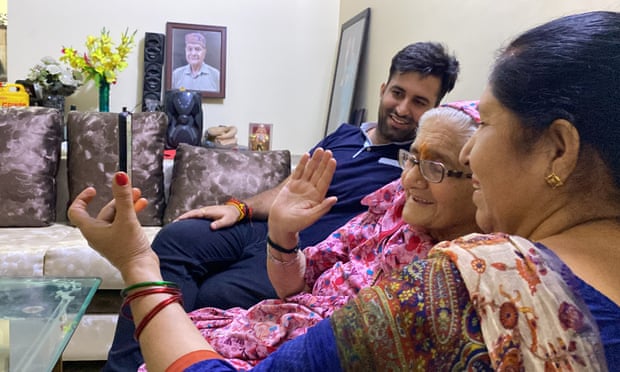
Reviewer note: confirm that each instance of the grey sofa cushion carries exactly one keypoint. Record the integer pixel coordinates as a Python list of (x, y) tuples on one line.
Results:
[(30, 139), (206, 176), (92, 158)]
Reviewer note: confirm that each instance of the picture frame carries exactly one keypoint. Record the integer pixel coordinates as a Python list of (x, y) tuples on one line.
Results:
[(3, 55), (260, 136), (184, 41), (351, 47)]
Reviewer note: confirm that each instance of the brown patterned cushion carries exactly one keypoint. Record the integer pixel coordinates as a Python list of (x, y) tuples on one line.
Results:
[(206, 176), (92, 158), (30, 139)]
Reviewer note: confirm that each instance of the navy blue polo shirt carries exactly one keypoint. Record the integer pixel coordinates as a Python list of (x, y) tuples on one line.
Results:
[(361, 169)]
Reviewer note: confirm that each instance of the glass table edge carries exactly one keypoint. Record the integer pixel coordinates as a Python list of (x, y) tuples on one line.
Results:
[(68, 332)]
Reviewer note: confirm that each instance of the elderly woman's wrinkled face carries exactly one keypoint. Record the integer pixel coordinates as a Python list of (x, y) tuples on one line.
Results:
[(445, 209)]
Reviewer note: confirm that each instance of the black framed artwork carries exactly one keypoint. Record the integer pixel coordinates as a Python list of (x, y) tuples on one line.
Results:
[(196, 59), (350, 53), (3, 56)]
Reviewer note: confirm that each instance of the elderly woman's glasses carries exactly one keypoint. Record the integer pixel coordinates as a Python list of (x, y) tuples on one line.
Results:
[(432, 171)]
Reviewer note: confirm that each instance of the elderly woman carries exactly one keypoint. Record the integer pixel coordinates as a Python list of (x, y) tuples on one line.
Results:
[(401, 225), (541, 295)]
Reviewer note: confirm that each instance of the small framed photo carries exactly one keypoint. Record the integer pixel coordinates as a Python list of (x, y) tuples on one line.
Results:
[(259, 138), (196, 59)]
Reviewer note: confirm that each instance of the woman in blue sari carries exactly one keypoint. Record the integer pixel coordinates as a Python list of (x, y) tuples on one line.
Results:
[(538, 292)]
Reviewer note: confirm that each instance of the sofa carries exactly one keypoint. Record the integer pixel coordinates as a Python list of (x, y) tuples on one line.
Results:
[(41, 172)]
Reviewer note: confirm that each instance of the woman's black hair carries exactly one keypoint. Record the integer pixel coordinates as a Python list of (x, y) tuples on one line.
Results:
[(568, 68)]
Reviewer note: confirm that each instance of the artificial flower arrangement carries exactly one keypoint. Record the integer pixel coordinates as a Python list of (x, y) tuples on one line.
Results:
[(102, 60), (55, 78)]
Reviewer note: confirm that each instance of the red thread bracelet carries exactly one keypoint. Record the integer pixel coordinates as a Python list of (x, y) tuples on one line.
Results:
[(245, 211), (159, 307)]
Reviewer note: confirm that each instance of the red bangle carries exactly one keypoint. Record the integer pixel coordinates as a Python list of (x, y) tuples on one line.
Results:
[(245, 211), (161, 283), (145, 292), (159, 307)]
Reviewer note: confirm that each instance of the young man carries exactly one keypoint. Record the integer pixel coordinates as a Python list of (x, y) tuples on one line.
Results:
[(219, 260)]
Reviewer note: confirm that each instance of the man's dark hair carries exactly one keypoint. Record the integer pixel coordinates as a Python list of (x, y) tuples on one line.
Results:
[(427, 58)]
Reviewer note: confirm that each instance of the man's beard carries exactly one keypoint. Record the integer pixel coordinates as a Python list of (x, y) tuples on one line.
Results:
[(392, 134)]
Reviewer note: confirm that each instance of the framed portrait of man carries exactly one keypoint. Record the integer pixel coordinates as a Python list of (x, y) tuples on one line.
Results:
[(196, 59)]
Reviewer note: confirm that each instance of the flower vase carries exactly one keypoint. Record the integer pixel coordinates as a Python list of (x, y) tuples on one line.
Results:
[(104, 96)]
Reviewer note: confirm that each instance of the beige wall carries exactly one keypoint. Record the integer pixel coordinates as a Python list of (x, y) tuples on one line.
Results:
[(3, 60), (473, 29), (281, 53), (279, 61)]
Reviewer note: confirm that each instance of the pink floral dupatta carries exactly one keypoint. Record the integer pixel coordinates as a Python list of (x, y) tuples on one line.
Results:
[(530, 317)]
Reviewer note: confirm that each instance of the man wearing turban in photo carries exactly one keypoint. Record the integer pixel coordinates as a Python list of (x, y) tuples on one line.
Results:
[(196, 75)]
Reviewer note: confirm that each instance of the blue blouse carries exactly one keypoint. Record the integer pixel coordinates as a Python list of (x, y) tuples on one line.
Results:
[(607, 315)]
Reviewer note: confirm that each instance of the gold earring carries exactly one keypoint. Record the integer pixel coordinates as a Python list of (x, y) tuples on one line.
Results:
[(554, 181)]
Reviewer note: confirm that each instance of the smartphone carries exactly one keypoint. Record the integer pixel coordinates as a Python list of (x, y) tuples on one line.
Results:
[(124, 142)]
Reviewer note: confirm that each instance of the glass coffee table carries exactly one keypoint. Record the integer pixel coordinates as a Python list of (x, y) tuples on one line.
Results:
[(38, 316)]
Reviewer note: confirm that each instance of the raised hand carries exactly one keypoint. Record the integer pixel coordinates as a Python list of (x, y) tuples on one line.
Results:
[(302, 201)]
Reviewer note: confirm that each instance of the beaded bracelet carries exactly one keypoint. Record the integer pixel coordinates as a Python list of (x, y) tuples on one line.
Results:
[(281, 249), (159, 307), (245, 211), (161, 283)]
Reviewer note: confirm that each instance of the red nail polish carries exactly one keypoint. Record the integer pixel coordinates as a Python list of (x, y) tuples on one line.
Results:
[(121, 179)]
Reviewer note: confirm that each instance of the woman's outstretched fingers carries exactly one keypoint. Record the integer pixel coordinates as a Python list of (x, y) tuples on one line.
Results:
[(325, 178), (322, 168), (299, 169), (312, 165)]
